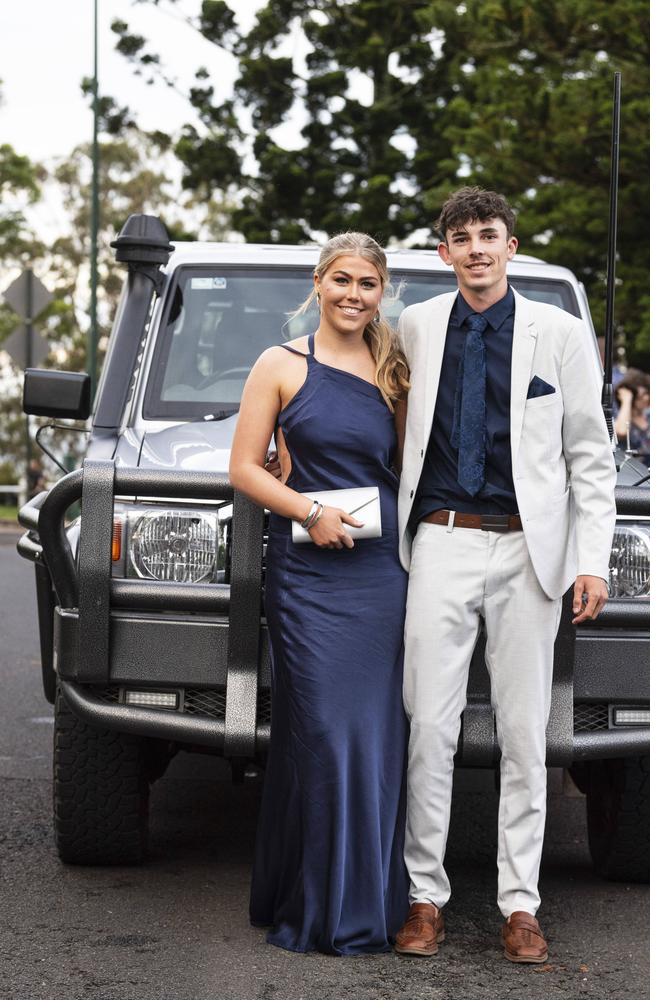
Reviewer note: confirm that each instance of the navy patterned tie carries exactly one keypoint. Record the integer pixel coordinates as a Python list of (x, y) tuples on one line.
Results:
[(469, 429)]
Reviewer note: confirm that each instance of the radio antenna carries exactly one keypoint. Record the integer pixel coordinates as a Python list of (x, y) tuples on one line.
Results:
[(611, 257)]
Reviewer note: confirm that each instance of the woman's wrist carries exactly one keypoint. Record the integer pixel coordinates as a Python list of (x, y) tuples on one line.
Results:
[(307, 521), (304, 510), (319, 513)]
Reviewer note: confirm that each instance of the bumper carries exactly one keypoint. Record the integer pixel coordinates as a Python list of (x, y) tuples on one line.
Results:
[(188, 654), (209, 642), (98, 708), (154, 652)]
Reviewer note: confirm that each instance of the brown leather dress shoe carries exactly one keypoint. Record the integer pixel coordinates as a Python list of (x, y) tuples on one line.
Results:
[(523, 940), (423, 930)]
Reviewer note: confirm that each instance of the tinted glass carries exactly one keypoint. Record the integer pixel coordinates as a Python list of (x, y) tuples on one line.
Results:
[(217, 322)]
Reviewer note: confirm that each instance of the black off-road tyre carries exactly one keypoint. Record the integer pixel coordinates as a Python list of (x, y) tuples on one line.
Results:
[(618, 818), (101, 791)]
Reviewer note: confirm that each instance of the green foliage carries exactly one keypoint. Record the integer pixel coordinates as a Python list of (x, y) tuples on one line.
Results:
[(19, 185), (217, 22), (401, 103), (131, 179), (531, 116), (20, 181), (510, 94), (12, 435)]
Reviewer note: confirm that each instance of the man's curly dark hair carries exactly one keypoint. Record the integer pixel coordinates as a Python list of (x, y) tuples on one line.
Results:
[(474, 204)]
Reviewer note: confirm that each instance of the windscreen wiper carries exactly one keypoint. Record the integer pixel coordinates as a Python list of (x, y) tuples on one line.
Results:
[(220, 414)]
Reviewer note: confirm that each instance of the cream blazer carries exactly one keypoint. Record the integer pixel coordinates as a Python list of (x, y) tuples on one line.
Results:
[(562, 463)]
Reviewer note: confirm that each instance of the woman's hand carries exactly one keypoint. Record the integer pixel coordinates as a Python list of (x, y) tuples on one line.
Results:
[(329, 531)]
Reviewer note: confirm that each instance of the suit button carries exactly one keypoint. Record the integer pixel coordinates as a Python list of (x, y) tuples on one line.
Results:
[(422, 453), (411, 495)]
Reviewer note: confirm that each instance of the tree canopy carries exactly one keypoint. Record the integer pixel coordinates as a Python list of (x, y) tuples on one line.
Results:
[(366, 114), (133, 178)]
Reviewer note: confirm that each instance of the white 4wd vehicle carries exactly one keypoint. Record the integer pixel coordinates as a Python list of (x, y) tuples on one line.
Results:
[(151, 611)]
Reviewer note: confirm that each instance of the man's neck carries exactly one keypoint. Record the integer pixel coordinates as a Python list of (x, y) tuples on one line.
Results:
[(479, 300)]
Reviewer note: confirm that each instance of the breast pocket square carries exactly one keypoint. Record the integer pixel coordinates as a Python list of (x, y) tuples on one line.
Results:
[(538, 387)]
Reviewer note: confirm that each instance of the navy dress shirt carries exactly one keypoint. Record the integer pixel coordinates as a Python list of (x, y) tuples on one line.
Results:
[(439, 487)]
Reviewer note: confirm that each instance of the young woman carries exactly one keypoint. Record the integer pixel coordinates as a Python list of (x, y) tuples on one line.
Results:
[(328, 872)]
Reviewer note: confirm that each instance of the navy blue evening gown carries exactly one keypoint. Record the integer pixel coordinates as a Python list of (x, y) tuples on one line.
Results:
[(329, 873)]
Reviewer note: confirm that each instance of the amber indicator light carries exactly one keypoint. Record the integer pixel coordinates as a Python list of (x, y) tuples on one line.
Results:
[(116, 546)]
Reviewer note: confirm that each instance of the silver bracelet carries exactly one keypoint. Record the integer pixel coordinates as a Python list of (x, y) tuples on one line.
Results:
[(318, 515), (313, 510)]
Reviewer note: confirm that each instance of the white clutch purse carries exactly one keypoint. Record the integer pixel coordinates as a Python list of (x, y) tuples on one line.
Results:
[(362, 503)]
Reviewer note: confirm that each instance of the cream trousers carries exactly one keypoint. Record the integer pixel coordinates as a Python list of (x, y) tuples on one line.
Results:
[(458, 577)]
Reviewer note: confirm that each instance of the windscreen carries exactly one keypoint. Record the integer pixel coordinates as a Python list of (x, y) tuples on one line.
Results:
[(217, 322)]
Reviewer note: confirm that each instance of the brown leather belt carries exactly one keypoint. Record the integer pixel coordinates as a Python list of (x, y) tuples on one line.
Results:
[(486, 522)]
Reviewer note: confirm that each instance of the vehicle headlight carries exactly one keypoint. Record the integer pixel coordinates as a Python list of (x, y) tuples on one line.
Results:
[(176, 545), (629, 561)]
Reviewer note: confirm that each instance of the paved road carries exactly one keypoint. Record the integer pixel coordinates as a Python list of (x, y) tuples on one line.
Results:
[(176, 929)]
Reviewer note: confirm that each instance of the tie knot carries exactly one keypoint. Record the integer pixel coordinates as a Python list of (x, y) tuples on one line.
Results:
[(476, 323)]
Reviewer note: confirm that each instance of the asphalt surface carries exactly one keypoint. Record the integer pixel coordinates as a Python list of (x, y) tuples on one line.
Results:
[(177, 929)]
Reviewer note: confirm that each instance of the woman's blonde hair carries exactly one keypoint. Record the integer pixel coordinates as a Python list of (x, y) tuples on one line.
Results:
[(391, 369)]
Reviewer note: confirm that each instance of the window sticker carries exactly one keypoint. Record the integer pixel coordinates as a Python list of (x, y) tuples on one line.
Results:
[(202, 284)]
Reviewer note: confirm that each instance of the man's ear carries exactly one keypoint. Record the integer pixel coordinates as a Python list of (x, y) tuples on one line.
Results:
[(443, 252), (513, 243)]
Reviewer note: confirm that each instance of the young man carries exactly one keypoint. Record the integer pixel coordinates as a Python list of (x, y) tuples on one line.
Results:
[(506, 499)]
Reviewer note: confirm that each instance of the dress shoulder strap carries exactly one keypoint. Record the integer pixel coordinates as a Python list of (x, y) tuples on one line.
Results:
[(292, 350)]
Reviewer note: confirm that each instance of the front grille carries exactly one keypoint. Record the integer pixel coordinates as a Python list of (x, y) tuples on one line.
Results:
[(207, 702), (109, 695), (587, 718)]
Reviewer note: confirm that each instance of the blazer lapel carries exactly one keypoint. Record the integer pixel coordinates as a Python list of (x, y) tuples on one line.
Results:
[(436, 336), (524, 339)]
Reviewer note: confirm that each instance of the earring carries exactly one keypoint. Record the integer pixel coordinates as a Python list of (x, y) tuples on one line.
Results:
[(318, 299), (377, 317)]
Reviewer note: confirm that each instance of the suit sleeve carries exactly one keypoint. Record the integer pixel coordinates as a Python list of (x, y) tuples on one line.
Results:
[(588, 454)]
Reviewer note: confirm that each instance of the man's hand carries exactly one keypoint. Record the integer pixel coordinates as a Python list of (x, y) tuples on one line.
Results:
[(589, 597), (272, 464)]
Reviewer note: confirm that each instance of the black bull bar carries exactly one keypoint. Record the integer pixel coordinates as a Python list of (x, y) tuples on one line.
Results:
[(219, 629), (213, 631)]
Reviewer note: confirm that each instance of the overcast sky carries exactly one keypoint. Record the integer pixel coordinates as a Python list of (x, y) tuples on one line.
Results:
[(46, 48)]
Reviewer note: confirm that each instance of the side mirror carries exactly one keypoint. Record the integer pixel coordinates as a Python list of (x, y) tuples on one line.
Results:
[(48, 393)]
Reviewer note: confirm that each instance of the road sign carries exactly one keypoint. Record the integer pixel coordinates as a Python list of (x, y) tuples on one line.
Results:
[(16, 346), (17, 295)]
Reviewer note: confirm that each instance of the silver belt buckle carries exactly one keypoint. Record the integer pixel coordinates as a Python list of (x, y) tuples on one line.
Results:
[(495, 522)]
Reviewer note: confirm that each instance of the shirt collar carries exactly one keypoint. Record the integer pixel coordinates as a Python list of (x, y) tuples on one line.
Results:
[(496, 315)]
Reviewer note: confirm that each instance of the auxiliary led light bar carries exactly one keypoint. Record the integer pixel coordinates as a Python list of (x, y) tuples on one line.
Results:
[(152, 699), (631, 716)]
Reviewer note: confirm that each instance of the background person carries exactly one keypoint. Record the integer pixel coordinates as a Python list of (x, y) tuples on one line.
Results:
[(329, 871), (633, 416), (506, 498), (35, 479)]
